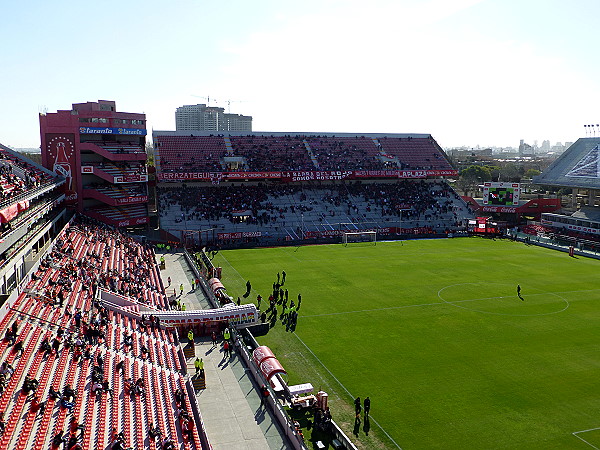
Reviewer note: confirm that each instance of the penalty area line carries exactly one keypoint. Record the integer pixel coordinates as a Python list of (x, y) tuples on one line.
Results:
[(344, 388), (576, 434)]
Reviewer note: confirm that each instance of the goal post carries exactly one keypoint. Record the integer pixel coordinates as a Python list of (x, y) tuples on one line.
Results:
[(369, 237)]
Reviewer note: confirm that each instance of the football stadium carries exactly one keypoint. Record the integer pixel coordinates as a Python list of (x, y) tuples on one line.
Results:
[(290, 290)]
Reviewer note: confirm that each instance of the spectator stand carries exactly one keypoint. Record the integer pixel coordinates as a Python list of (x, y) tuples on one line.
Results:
[(277, 213), (76, 253)]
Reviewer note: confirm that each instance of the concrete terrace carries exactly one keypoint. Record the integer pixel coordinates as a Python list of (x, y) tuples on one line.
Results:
[(230, 404)]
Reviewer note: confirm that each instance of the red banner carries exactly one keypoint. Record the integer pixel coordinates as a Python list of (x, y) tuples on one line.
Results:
[(307, 175), (130, 178), (332, 233), (128, 222), (239, 235), (127, 200), (534, 206), (60, 158), (117, 222), (499, 209)]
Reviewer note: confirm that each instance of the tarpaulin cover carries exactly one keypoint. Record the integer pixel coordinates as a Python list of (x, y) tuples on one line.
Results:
[(261, 353), (9, 213), (23, 205), (215, 284), (271, 367)]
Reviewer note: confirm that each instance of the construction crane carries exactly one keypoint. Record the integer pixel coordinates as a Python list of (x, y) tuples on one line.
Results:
[(229, 102), (205, 98)]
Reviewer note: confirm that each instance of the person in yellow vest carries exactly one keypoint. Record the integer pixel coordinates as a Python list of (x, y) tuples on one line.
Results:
[(199, 365), (191, 336), (181, 289), (183, 306), (226, 334)]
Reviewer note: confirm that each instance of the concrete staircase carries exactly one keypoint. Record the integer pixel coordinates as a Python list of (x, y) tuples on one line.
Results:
[(313, 158)]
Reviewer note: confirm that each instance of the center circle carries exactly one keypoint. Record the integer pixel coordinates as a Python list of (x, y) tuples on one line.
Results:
[(503, 295)]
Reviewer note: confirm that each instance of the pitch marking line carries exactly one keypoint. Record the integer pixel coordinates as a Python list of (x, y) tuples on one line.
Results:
[(236, 271), (344, 387), (391, 307), (576, 434), (503, 314), (442, 303)]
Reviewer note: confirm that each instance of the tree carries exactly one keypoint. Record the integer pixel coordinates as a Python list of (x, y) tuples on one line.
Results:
[(150, 153), (472, 176), (531, 173), (510, 172)]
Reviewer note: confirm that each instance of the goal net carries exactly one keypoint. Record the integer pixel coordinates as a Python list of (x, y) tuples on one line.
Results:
[(369, 237)]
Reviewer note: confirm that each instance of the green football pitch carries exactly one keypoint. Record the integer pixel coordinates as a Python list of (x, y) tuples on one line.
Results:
[(434, 332)]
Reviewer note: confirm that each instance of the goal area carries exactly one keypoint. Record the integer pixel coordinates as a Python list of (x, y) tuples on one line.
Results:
[(369, 237)]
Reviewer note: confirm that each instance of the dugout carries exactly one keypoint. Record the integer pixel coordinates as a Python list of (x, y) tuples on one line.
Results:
[(487, 226)]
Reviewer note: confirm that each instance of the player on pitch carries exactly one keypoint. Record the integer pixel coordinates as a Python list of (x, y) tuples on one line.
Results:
[(519, 292)]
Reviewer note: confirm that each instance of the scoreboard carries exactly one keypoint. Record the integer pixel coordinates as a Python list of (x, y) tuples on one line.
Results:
[(501, 194)]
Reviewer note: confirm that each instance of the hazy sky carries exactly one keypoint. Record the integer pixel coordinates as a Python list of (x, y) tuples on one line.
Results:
[(469, 72)]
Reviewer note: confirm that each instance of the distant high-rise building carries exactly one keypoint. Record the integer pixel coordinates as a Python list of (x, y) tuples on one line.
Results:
[(209, 118), (545, 148), (524, 148), (558, 148)]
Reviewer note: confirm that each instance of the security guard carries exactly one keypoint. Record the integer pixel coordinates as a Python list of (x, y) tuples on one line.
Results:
[(199, 365)]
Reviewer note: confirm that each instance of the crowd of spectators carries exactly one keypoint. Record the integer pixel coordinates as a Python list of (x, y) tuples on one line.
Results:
[(347, 153), (276, 205), (16, 177), (267, 153), (409, 199), (190, 153), (251, 204), (258, 153), (131, 279), (76, 267)]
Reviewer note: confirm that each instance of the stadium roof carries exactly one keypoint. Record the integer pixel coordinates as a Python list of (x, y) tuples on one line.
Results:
[(578, 167), (286, 133)]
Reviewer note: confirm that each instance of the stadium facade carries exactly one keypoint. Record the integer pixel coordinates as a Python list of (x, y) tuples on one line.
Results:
[(269, 187), (245, 187), (102, 155), (31, 215), (577, 169)]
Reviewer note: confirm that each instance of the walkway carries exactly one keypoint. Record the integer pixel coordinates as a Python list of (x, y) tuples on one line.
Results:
[(230, 404), (544, 241)]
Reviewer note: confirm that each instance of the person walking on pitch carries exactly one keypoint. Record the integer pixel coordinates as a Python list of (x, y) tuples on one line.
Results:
[(519, 292)]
